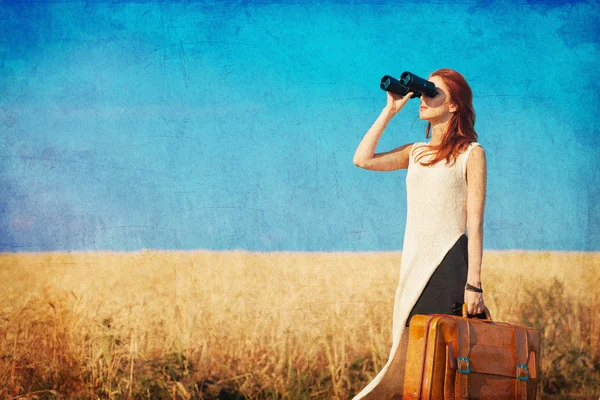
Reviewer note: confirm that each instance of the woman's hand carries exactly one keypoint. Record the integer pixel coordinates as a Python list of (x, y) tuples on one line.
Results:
[(395, 102), (474, 302)]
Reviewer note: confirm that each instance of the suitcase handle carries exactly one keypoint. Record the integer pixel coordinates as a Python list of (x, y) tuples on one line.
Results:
[(488, 316)]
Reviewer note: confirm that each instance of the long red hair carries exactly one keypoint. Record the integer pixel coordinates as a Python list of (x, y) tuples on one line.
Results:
[(460, 131)]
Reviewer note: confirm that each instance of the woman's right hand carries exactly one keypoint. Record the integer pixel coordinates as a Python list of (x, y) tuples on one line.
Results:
[(395, 102)]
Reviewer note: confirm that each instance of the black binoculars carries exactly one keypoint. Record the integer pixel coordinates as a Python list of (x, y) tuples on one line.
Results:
[(408, 82)]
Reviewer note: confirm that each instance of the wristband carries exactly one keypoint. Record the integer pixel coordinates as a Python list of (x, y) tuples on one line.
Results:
[(473, 288)]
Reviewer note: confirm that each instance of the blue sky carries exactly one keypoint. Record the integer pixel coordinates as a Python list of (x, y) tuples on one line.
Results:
[(232, 125)]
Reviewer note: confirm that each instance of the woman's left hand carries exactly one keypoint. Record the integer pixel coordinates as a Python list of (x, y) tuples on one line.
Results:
[(474, 302)]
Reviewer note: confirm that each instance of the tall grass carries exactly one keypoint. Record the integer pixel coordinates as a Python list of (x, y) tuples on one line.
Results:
[(203, 325)]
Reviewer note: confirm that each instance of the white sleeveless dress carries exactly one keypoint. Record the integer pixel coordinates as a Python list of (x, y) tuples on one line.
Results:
[(436, 218)]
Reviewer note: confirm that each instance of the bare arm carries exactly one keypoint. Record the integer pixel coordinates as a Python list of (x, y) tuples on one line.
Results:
[(398, 158), (476, 192)]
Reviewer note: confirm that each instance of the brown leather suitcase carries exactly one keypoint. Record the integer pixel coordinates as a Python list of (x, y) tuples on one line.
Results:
[(457, 358)]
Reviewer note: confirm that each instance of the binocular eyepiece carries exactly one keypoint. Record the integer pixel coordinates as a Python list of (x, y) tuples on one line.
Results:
[(408, 82)]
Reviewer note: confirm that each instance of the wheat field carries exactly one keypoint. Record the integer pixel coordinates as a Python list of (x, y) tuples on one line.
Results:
[(233, 325)]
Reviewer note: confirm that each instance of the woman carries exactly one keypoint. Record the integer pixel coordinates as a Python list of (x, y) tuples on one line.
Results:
[(445, 186)]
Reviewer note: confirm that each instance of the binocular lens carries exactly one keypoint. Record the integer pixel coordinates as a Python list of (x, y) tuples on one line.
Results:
[(417, 84), (405, 79), (391, 84), (385, 83)]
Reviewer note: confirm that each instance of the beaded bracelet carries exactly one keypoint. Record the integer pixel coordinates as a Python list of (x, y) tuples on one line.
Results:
[(473, 288)]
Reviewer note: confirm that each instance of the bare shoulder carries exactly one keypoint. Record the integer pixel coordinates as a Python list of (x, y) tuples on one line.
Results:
[(477, 156), (476, 165)]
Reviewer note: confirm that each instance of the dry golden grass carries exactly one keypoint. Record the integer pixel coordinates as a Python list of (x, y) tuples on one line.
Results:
[(272, 325)]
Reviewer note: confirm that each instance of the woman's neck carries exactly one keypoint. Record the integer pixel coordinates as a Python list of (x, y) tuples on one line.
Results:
[(438, 128)]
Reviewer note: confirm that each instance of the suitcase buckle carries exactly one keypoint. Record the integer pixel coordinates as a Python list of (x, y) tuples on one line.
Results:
[(468, 367), (522, 368)]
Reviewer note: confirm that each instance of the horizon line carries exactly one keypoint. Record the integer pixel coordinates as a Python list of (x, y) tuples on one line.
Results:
[(299, 252)]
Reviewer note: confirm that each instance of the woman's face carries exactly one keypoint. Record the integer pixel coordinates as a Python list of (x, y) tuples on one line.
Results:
[(438, 108)]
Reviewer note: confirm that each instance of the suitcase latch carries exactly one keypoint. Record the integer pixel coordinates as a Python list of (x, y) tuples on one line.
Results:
[(522, 372), (464, 362)]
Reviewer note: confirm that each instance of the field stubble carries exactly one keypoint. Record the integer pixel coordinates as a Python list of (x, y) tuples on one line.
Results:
[(159, 324)]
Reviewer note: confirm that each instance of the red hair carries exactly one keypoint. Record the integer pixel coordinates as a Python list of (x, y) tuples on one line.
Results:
[(460, 131)]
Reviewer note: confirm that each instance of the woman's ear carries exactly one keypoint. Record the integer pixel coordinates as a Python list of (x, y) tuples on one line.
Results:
[(452, 108)]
